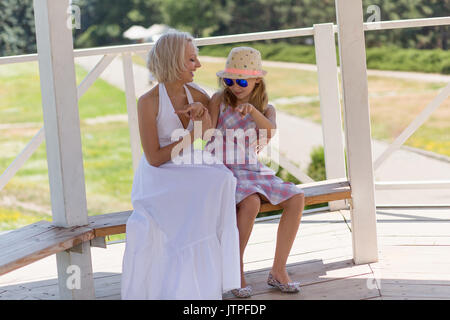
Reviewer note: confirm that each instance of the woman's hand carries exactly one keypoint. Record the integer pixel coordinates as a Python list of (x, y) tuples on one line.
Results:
[(194, 111), (245, 108)]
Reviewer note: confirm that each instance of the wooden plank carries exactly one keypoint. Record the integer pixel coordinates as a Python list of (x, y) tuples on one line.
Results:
[(24, 233), (352, 55), (16, 249), (110, 223), (62, 135), (309, 272), (107, 286), (319, 192), (130, 95), (50, 242), (348, 288), (330, 107), (418, 290)]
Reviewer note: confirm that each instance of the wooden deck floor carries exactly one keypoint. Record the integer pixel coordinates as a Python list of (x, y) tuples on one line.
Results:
[(414, 261)]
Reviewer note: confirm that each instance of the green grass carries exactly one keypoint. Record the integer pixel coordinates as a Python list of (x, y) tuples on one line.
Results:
[(106, 148)]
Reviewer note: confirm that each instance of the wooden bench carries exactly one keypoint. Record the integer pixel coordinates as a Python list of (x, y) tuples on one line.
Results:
[(28, 244)]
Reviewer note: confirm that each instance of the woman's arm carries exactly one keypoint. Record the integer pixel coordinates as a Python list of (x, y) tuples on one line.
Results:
[(147, 113)]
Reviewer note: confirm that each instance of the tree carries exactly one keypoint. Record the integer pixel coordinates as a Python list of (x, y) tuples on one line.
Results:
[(103, 22), (199, 17), (17, 31)]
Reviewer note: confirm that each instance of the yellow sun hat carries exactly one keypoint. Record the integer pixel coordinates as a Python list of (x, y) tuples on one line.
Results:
[(243, 62)]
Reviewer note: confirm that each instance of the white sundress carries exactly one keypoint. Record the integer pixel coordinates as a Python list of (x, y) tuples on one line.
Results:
[(182, 240)]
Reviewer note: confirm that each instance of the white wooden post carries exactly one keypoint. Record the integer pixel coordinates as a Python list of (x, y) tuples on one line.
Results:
[(330, 106), (63, 141), (357, 129), (130, 94)]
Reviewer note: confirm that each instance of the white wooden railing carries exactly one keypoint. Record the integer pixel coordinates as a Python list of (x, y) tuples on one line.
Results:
[(324, 36)]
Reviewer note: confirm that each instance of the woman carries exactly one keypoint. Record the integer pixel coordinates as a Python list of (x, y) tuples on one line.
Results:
[(182, 241)]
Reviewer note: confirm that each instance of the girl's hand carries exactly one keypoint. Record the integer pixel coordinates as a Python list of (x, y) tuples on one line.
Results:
[(206, 121), (245, 108), (194, 111)]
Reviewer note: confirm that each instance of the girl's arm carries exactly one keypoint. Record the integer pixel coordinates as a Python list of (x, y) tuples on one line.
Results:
[(214, 108), (266, 121)]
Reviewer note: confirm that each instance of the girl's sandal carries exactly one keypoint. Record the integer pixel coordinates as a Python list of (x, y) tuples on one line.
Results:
[(243, 292), (291, 287)]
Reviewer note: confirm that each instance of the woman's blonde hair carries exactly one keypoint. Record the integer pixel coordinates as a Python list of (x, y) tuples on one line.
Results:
[(258, 97), (166, 58)]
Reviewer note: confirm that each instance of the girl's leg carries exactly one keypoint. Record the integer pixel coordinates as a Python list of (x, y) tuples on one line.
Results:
[(247, 210), (287, 230)]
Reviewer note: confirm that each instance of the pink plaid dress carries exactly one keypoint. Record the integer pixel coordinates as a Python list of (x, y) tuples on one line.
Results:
[(252, 176)]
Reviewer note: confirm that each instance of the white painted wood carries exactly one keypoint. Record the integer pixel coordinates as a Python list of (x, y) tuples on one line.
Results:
[(143, 55), (75, 275), (62, 134), (330, 107), (60, 111), (407, 23), (23, 156), (94, 74), (133, 124), (414, 125), (99, 242), (402, 185), (357, 129), (278, 216)]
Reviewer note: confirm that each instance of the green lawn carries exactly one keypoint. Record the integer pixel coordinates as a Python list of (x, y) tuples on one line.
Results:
[(106, 148)]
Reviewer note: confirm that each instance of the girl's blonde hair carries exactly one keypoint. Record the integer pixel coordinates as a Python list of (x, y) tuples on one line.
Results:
[(166, 58), (258, 97)]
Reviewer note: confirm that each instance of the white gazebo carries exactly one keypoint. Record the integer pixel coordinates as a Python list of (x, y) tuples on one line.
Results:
[(72, 233)]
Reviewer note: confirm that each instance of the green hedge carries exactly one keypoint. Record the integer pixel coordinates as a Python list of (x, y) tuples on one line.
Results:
[(316, 168), (382, 58)]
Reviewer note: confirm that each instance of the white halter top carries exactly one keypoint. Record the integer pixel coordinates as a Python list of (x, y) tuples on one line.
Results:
[(167, 120)]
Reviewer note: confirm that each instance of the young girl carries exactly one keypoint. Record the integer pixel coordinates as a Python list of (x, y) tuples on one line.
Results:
[(181, 239), (243, 104)]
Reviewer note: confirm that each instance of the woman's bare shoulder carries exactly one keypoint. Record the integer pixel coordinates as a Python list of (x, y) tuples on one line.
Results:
[(149, 101), (198, 95)]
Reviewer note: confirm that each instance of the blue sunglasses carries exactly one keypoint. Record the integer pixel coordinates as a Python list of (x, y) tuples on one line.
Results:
[(240, 82)]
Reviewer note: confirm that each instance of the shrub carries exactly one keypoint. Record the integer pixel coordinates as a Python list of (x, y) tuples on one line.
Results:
[(316, 169), (445, 68)]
